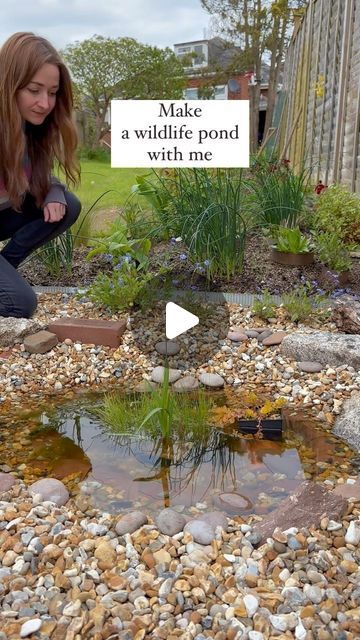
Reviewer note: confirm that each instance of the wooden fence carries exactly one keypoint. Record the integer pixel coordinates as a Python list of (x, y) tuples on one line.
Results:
[(319, 123)]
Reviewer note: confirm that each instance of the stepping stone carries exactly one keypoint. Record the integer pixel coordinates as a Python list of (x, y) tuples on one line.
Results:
[(98, 332), (232, 502), (310, 367), (145, 386), (264, 334), (188, 383), (157, 374), (6, 482), (274, 339), (167, 347), (212, 380), (237, 335)]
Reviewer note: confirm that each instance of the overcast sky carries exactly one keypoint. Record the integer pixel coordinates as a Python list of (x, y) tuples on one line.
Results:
[(157, 22)]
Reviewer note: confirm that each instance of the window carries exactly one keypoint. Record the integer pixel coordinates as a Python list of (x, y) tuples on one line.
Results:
[(199, 51), (191, 94)]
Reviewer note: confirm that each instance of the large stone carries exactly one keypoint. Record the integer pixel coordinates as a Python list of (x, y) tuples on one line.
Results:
[(347, 423), (15, 329), (50, 489), (167, 348), (201, 531), (334, 349), (306, 507), (170, 522), (158, 373), (349, 490), (6, 482), (40, 342), (130, 522), (187, 383), (232, 503), (211, 380), (347, 316), (275, 339)]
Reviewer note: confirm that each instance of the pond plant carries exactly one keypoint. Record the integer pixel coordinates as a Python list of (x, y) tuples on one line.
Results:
[(177, 426)]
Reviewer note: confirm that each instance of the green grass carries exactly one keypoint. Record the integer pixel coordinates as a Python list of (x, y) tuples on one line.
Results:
[(97, 177)]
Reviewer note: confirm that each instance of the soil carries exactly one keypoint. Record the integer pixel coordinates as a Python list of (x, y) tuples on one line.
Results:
[(258, 272)]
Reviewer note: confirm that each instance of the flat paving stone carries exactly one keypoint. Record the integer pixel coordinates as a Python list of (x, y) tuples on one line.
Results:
[(157, 374), (167, 347), (211, 380), (310, 367)]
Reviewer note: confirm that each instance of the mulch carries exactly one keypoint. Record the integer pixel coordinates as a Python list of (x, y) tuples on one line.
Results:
[(258, 271)]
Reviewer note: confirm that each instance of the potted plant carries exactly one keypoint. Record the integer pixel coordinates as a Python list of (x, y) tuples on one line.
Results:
[(251, 414), (334, 254), (291, 248)]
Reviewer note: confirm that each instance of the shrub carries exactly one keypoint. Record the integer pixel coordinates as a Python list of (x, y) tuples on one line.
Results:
[(279, 194), (332, 252), (338, 211)]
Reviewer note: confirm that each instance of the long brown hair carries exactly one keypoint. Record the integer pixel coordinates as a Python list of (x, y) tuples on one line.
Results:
[(21, 56)]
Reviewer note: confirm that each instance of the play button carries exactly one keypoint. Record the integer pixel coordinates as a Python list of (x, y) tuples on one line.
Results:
[(178, 320)]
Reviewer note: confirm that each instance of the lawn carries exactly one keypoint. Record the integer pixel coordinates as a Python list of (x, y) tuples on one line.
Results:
[(97, 177)]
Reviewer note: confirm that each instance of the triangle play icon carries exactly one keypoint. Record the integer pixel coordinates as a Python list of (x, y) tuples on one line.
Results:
[(178, 320)]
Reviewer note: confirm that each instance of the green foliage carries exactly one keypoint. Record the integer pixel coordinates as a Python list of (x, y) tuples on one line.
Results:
[(108, 68), (158, 413), (291, 241), (57, 254), (117, 244), (279, 194), (338, 211), (123, 288), (100, 154), (300, 305), (265, 306), (332, 252), (204, 209), (159, 199)]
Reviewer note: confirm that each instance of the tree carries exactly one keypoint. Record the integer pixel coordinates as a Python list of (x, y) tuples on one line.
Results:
[(107, 68), (261, 29)]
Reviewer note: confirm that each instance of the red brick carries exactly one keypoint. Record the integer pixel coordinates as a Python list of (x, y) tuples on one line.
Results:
[(99, 332)]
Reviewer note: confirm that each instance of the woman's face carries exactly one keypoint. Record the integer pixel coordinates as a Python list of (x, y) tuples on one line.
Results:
[(37, 99)]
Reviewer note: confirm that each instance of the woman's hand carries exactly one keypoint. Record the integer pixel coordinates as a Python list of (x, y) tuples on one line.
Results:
[(54, 212)]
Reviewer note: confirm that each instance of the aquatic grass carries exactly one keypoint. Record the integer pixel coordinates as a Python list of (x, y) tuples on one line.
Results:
[(155, 413)]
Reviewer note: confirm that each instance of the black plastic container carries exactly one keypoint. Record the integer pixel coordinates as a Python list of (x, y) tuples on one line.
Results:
[(268, 426)]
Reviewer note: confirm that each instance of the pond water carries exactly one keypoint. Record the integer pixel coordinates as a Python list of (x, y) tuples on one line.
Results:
[(224, 470)]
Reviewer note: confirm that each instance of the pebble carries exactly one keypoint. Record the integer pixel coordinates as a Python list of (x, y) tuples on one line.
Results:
[(168, 347), (157, 374), (29, 627), (211, 380), (310, 367)]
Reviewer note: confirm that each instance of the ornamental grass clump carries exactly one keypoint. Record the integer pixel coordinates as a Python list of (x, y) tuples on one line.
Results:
[(278, 194), (205, 208)]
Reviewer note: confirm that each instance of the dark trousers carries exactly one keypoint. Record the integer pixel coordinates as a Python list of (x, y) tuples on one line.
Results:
[(27, 231)]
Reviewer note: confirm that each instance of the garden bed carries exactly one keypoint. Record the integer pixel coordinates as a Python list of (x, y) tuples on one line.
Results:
[(258, 271)]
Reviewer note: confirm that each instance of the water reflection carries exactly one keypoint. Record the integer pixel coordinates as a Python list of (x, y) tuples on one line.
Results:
[(68, 443)]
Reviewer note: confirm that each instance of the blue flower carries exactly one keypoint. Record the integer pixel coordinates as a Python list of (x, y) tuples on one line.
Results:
[(108, 257), (207, 263), (175, 282), (183, 256)]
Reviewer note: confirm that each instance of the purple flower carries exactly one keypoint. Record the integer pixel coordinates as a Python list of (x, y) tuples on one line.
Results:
[(175, 282), (183, 256), (207, 263), (108, 257)]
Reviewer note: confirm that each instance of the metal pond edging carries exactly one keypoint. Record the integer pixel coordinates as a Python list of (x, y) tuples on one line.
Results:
[(245, 299)]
